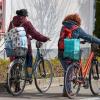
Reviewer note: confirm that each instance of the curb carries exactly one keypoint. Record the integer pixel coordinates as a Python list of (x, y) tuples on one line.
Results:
[(2, 87)]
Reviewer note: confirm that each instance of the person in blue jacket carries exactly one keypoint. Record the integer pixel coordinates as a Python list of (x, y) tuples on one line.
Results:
[(68, 22)]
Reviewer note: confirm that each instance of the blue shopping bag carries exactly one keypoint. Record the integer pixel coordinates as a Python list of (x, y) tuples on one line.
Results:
[(72, 48)]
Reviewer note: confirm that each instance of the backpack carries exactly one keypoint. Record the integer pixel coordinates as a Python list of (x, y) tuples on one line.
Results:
[(65, 33), (16, 41)]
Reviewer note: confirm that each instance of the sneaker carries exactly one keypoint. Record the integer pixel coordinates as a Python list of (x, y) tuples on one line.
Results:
[(17, 87), (29, 80)]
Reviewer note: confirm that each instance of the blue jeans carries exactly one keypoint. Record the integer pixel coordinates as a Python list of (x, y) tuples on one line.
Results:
[(65, 63), (29, 59)]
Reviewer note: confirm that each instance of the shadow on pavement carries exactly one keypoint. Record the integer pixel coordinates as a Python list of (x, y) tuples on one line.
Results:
[(37, 95), (43, 96)]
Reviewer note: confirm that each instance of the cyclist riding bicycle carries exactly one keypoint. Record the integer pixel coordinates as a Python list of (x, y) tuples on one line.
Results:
[(31, 33), (70, 21)]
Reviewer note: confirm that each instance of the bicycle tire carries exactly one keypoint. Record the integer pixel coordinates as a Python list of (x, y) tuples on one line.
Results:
[(68, 79), (13, 80), (38, 77), (94, 75)]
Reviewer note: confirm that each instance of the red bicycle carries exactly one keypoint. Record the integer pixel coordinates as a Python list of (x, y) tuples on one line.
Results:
[(87, 75)]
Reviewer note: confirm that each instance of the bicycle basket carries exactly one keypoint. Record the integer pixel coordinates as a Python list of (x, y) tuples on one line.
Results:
[(18, 52)]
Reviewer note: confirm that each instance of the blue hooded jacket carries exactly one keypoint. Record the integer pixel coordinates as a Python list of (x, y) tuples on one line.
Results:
[(80, 33)]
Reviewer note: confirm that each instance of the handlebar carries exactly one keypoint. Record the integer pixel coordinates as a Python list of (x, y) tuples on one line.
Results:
[(38, 44), (83, 42)]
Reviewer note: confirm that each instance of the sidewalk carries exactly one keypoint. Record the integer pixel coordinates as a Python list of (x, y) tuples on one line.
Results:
[(57, 81)]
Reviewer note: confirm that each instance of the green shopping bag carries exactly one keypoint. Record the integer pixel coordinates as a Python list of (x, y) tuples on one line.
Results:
[(72, 48)]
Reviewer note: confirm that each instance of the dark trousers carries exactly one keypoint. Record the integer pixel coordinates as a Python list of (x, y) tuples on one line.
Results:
[(28, 65)]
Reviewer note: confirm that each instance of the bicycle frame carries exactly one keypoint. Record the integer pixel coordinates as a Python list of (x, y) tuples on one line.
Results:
[(85, 69), (38, 57)]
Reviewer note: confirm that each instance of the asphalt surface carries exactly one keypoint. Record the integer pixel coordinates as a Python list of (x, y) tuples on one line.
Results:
[(54, 93)]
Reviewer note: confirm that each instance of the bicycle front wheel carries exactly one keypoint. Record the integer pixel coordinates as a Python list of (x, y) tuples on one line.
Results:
[(71, 80), (16, 78), (94, 78), (43, 76)]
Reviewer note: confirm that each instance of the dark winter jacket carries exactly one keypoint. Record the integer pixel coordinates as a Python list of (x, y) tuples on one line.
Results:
[(30, 30)]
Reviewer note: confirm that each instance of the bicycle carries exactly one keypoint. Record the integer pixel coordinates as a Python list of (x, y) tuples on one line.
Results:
[(78, 75), (42, 71)]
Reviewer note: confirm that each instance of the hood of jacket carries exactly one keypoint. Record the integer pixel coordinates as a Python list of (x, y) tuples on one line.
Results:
[(69, 24), (18, 20)]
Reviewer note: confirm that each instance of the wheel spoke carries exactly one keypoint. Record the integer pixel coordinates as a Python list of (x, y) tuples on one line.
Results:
[(43, 76)]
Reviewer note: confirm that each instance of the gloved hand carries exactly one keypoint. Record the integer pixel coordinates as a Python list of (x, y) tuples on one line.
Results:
[(38, 44)]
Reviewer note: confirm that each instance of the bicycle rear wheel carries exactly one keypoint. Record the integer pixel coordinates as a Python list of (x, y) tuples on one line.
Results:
[(43, 76), (16, 79), (71, 81), (94, 78)]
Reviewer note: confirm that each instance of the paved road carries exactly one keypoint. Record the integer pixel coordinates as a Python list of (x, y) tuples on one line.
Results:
[(54, 93)]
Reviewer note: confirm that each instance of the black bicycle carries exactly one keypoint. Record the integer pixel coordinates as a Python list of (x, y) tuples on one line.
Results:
[(42, 73)]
